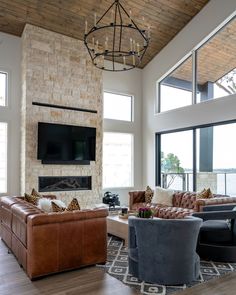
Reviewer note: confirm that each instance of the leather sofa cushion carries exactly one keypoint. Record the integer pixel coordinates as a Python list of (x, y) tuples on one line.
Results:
[(188, 200), (5, 212), (215, 231), (20, 212), (177, 198), (172, 212)]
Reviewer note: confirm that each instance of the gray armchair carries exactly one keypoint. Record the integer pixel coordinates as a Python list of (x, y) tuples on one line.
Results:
[(217, 237), (163, 251)]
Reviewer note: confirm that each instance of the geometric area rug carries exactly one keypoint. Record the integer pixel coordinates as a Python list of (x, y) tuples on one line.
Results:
[(117, 266)]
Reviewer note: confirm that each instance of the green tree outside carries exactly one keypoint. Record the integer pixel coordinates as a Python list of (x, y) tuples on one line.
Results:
[(171, 164)]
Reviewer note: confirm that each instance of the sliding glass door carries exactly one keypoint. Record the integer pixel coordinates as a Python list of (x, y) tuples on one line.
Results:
[(176, 160), (198, 158), (216, 159)]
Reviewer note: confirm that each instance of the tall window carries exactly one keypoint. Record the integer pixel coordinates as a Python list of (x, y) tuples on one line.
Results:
[(198, 158), (214, 68), (216, 65), (3, 157), (117, 106), (176, 89), (3, 89), (216, 162), (176, 160), (117, 160)]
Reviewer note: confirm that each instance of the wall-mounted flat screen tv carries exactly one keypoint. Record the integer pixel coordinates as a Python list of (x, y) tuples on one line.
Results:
[(58, 144)]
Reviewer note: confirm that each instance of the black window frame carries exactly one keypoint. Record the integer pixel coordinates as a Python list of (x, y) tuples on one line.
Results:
[(194, 129), (194, 55)]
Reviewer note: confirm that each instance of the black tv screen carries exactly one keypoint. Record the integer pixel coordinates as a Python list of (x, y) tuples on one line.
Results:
[(65, 143)]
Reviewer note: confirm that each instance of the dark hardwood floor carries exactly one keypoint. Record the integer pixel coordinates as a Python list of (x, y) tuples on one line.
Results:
[(90, 280)]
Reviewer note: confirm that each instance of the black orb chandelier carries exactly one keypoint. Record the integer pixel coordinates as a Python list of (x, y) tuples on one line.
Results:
[(115, 42)]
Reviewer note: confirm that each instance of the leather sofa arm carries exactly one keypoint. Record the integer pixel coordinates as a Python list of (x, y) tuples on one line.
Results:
[(200, 203), (136, 197)]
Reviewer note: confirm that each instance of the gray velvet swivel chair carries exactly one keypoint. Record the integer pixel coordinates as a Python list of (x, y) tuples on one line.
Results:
[(217, 237), (163, 251)]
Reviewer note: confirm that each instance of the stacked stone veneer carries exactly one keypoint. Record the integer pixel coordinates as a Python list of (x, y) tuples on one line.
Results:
[(57, 70)]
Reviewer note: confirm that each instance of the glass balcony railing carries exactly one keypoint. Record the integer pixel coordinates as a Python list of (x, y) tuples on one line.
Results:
[(220, 182)]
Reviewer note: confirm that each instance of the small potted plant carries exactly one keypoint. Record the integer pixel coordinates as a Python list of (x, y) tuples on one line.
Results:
[(145, 212)]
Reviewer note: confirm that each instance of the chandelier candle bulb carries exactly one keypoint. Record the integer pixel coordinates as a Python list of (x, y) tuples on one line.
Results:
[(106, 44), (134, 45), (97, 45), (86, 28), (149, 32), (138, 49), (112, 16), (95, 19), (131, 43), (130, 16)]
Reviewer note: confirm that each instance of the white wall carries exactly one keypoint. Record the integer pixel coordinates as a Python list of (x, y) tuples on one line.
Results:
[(197, 30), (129, 82), (10, 61)]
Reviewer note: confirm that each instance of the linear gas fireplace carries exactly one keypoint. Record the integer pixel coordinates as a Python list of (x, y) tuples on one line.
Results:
[(64, 183)]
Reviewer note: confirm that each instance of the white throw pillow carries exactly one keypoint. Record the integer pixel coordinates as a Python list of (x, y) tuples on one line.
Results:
[(45, 204), (163, 196)]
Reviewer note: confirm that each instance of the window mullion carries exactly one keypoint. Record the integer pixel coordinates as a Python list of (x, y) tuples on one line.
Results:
[(194, 77), (194, 159)]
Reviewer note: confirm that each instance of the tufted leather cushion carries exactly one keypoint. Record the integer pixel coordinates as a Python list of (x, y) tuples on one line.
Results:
[(188, 200), (172, 212), (177, 198)]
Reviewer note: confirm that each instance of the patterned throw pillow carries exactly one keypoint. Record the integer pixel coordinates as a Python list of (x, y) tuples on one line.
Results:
[(74, 205), (31, 199), (57, 208), (205, 194), (35, 193), (148, 195)]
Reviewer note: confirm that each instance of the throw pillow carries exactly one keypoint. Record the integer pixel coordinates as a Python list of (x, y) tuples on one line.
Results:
[(58, 206), (45, 204), (163, 196), (35, 193), (148, 194), (205, 194), (74, 205), (31, 199)]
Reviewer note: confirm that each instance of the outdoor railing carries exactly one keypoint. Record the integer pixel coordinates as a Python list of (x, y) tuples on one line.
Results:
[(219, 182)]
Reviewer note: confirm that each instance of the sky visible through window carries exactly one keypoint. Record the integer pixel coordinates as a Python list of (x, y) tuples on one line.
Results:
[(3, 77), (117, 159), (117, 106), (3, 157)]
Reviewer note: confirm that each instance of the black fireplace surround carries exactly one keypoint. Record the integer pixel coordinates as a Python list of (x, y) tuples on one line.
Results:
[(64, 183)]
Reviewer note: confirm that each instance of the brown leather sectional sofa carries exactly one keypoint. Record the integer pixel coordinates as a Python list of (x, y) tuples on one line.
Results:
[(46, 243), (183, 203)]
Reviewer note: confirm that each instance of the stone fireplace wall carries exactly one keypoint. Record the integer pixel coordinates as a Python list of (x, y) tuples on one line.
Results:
[(56, 69)]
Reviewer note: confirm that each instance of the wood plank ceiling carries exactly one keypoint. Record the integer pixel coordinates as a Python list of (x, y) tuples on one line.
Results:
[(165, 17)]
